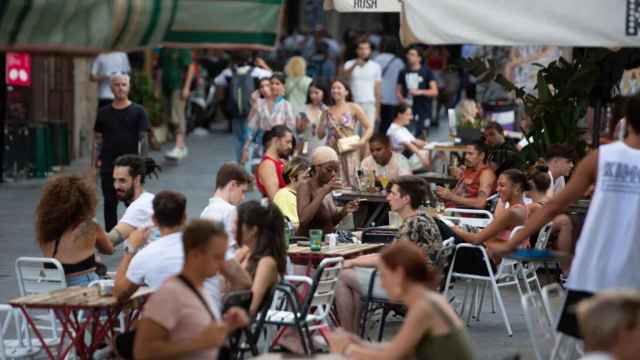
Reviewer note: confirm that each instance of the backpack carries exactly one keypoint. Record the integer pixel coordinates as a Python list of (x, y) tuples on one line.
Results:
[(239, 98)]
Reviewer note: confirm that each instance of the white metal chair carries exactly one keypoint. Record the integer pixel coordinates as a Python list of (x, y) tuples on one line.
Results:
[(41, 275), (478, 218), (553, 296), (21, 344), (313, 313), (564, 347), (539, 325)]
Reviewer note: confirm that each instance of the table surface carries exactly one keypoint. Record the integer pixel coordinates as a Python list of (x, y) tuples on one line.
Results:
[(275, 356), (338, 250), (348, 195), (75, 296)]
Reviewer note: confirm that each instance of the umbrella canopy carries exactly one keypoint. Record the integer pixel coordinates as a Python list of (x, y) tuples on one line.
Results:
[(93, 26), (592, 23)]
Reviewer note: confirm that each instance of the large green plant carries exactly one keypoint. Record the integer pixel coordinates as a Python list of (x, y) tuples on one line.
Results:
[(142, 93), (564, 88)]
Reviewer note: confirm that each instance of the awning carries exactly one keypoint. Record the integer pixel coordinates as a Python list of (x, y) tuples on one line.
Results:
[(592, 23), (93, 26), (363, 5)]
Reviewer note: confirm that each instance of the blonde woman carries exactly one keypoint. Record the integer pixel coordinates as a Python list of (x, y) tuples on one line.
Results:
[(467, 113), (297, 83)]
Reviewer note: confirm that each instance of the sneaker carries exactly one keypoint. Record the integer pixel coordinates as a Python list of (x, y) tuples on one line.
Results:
[(177, 153)]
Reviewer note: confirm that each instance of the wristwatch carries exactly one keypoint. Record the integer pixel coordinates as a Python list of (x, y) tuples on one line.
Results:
[(130, 249)]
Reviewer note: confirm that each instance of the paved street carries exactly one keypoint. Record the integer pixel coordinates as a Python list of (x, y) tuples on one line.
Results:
[(195, 177)]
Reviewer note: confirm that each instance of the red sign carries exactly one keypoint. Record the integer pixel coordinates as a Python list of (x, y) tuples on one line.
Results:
[(18, 71)]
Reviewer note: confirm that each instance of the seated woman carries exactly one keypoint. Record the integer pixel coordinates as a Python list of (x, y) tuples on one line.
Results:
[(431, 329), (540, 182), (65, 228), (316, 209), (260, 233), (295, 173), (406, 195), (403, 141), (512, 184)]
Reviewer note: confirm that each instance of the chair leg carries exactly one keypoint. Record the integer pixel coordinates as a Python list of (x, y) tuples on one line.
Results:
[(464, 298), (473, 305), (303, 339), (364, 318), (496, 291), (383, 320), (484, 288), (312, 348)]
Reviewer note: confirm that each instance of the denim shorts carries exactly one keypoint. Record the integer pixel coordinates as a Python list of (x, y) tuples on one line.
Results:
[(81, 280)]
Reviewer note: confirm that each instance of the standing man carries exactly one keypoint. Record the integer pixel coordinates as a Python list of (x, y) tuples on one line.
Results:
[(391, 65), (279, 144), (105, 66), (365, 79), (239, 81), (177, 72), (417, 87), (121, 128)]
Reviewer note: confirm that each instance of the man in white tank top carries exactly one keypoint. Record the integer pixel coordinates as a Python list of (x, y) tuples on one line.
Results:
[(608, 251)]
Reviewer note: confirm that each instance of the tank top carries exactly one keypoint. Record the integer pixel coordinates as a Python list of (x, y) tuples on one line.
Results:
[(469, 184), (279, 170), (505, 234), (608, 249), (453, 345)]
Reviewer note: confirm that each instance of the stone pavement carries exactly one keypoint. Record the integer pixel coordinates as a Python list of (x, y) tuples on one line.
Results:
[(194, 176)]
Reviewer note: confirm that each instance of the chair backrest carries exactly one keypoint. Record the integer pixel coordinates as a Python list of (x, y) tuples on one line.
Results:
[(323, 289), (39, 275), (472, 217), (543, 236), (553, 296), (540, 328)]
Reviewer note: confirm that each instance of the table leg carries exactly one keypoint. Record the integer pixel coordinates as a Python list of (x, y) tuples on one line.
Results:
[(37, 332)]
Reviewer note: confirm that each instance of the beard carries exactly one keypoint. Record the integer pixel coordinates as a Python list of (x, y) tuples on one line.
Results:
[(126, 197)]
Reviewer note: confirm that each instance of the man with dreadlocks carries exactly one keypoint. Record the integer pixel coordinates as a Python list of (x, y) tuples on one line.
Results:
[(129, 174)]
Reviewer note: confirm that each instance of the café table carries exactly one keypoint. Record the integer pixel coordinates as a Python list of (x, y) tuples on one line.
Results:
[(376, 200), (80, 310), (302, 255), (437, 178)]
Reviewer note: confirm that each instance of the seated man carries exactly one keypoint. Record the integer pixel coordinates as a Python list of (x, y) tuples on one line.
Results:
[(559, 160), (406, 196), (384, 161), (476, 181), (164, 257), (610, 325), (402, 140), (180, 320), (129, 173), (503, 153), (278, 144)]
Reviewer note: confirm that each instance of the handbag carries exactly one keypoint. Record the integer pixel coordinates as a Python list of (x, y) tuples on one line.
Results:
[(346, 144)]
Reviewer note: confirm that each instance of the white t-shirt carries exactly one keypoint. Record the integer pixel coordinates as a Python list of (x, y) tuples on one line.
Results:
[(109, 64), (140, 211), (162, 259), (399, 135), (397, 166), (223, 78), (221, 211), (363, 81), (393, 65), (609, 248)]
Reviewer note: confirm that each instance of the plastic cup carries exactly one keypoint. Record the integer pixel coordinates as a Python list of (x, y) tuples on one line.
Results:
[(315, 239)]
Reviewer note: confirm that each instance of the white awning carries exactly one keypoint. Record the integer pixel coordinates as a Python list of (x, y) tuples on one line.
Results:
[(363, 5), (605, 23)]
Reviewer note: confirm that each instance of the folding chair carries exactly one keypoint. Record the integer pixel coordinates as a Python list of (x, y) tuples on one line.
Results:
[(312, 314), (539, 325), (553, 296), (41, 275), (20, 345), (471, 217)]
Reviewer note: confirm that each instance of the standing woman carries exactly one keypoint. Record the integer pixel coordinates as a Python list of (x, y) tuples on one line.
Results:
[(65, 228), (309, 120), (297, 84), (340, 121)]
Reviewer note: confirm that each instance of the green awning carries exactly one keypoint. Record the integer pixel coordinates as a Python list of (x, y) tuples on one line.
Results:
[(93, 26)]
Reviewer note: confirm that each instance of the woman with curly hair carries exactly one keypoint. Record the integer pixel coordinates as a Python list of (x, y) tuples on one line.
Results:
[(66, 230)]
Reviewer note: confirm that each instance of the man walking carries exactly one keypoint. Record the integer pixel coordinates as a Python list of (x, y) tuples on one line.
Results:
[(177, 71), (391, 65), (365, 79), (417, 87), (121, 128), (105, 66)]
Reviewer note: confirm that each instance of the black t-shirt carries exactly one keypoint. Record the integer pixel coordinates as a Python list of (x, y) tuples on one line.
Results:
[(120, 129), (421, 78)]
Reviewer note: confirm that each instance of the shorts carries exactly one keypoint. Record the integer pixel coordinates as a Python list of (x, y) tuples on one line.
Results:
[(568, 322), (174, 109)]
